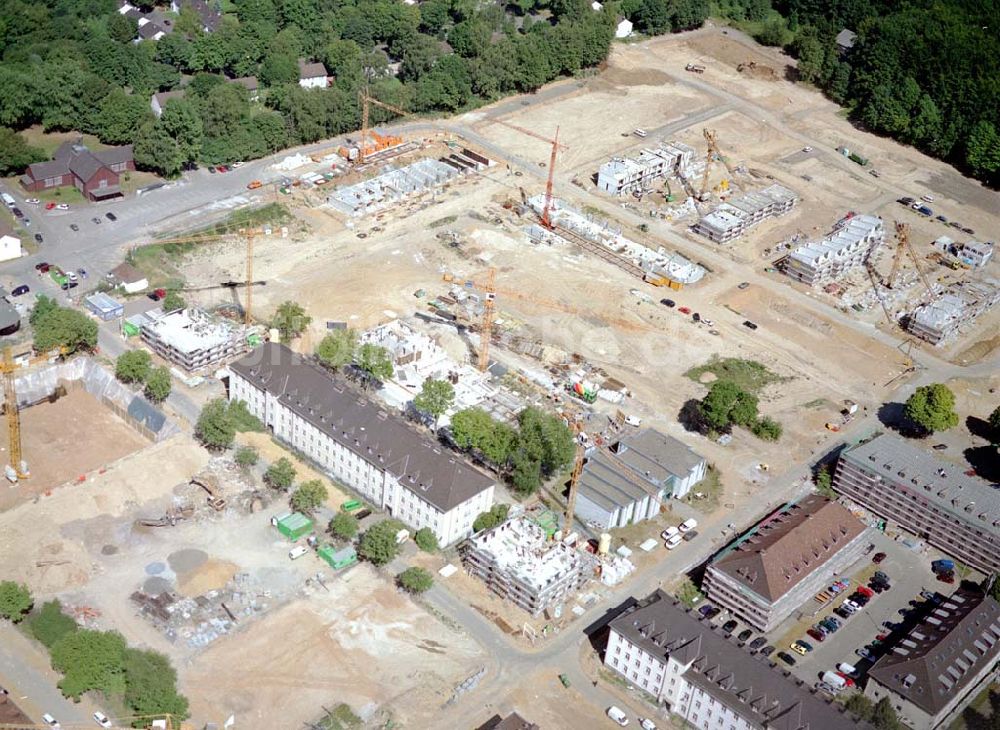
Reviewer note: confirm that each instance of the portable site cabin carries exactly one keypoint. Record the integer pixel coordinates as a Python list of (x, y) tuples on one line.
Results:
[(338, 559), (293, 525)]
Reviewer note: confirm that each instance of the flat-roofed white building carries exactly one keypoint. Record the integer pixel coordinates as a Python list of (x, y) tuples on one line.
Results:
[(732, 219), (194, 339), (625, 175)]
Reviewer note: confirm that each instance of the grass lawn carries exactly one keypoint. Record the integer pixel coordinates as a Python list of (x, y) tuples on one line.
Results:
[(979, 714), (67, 194), (748, 375), (160, 263), (272, 214), (49, 141), (711, 489), (340, 717)]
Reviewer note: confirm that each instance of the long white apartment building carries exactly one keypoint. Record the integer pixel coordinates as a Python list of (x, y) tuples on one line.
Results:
[(625, 175), (732, 219), (848, 246), (707, 679), (358, 443)]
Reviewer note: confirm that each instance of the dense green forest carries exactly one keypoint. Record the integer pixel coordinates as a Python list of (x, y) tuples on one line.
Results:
[(73, 65), (926, 72)]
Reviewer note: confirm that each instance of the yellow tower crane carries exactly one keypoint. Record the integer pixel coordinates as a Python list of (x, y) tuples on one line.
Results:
[(714, 153), (17, 468)]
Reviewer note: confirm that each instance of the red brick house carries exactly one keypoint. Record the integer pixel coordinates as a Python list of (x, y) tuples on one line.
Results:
[(95, 174)]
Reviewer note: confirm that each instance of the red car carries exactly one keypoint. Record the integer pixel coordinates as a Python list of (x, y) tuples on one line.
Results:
[(866, 591), (946, 577), (684, 310), (850, 682), (816, 635), (50, 206), (878, 558)]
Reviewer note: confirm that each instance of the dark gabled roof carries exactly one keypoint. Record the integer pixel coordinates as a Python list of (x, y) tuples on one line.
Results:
[(127, 273), (115, 155), (944, 652), (513, 721), (51, 168), (76, 158), (248, 82), (311, 70), (747, 683), (209, 13), (362, 426), (798, 540), (85, 165), (163, 97), (150, 29)]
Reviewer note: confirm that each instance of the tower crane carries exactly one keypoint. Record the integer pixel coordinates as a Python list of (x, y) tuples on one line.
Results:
[(248, 234), (903, 243), (574, 478), (366, 102), (546, 220), (713, 153), (17, 468)]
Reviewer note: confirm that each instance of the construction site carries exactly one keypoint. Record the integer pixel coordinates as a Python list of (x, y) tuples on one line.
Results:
[(530, 253)]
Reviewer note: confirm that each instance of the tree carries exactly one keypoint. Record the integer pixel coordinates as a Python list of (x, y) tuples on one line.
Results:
[(544, 438), (378, 543), (15, 600), (246, 456), (435, 397), (241, 417), (860, 705), (337, 348), (526, 475), (182, 122), (119, 117), (772, 33), (158, 384), (50, 624), (215, 429), (133, 366), (290, 320), (15, 152), (375, 361), (280, 474), (982, 150), (43, 306), (884, 715), (766, 429), (823, 480), (415, 580), (932, 408), (475, 428), (344, 525), (994, 421), (90, 660), (62, 327), (279, 68), (151, 685), (156, 150), (426, 540), (173, 301), (309, 496), (491, 518), (687, 592), (726, 404)]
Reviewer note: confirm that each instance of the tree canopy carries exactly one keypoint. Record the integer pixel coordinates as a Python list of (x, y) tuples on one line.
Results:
[(309, 495), (290, 320), (280, 474), (15, 600), (435, 397), (90, 660), (158, 384), (491, 518), (474, 428), (344, 525), (337, 348), (415, 580), (932, 408), (378, 543), (375, 361), (426, 540), (56, 326), (133, 366), (215, 429)]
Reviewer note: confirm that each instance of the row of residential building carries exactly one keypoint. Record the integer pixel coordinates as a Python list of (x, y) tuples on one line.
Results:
[(958, 305), (732, 219), (627, 175), (701, 675), (849, 245), (357, 442)]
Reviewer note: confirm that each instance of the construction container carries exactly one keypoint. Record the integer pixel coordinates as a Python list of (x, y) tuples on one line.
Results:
[(351, 505), (293, 525), (338, 559)]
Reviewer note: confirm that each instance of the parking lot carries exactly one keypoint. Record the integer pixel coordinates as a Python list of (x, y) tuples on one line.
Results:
[(909, 572)]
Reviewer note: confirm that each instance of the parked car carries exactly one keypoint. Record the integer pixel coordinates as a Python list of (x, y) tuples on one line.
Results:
[(17, 212), (865, 591), (67, 285), (673, 542), (43, 268), (766, 651), (696, 317), (32, 201), (669, 532), (38, 238), (880, 576), (95, 220), (689, 536), (800, 647), (851, 605), (688, 525), (840, 611), (905, 201), (667, 302), (941, 218), (946, 577), (878, 558), (74, 227), (706, 610), (157, 294), (743, 285), (863, 652), (101, 719), (50, 206), (618, 715), (211, 169), (684, 310), (786, 658), (758, 643), (749, 325), (111, 217), (646, 724), (50, 721), (62, 206), (729, 626), (816, 634), (744, 635), (969, 231), (20, 290)]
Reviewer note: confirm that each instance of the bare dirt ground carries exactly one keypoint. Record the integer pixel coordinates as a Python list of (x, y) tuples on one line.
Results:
[(363, 643), (67, 439)]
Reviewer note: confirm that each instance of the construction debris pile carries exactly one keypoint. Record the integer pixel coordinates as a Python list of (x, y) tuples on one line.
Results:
[(659, 267), (199, 621)]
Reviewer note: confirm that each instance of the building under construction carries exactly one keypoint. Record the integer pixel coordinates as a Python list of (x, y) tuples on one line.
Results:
[(626, 175), (519, 563), (847, 247), (958, 305), (194, 339), (734, 218)]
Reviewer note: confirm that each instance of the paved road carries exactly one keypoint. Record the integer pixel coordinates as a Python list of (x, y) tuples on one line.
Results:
[(25, 671)]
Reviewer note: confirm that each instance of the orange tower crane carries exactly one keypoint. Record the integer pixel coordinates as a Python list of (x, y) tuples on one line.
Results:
[(486, 327), (546, 220), (574, 478), (11, 407)]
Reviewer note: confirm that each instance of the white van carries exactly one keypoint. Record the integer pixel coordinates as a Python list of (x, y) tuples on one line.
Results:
[(618, 715), (8, 200), (640, 132), (848, 669), (297, 552), (688, 525), (674, 541), (834, 680), (669, 533), (927, 198)]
